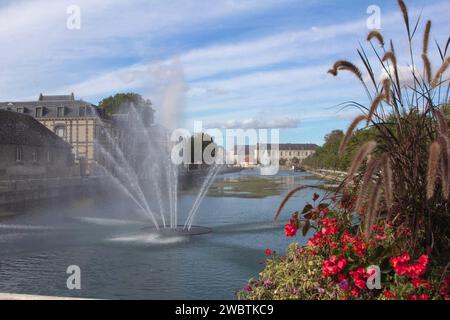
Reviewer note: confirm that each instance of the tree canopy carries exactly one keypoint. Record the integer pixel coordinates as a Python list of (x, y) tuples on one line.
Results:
[(121, 102), (327, 156)]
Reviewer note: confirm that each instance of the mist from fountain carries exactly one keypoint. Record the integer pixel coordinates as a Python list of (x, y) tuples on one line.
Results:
[(142, 168)]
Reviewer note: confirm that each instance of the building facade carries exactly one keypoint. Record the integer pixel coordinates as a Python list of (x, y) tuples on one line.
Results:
[(289, 154), (81, 124), (29, 150)]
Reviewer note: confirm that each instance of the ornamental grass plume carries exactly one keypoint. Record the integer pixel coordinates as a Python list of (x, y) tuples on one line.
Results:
[(345, 65), (402, 169), (286, 199), (425, 59), (372, 208), (444, 165), (387, 90), (410, 152), (387, 180), (373, 107), (438, 76), (372, 166), (433, 165), (360, 156), (377, 35), (349, 133)]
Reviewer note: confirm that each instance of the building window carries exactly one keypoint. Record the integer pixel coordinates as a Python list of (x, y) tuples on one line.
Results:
[(60, 131), (82, 111), (49, 156), (60, 111), (20, 110), (19, 154), (39, 112), (35, 156)]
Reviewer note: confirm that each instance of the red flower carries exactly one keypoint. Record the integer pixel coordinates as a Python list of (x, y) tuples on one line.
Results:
[(445, 289), (420, 297), (290, 230), (414, 271), (421, 283), (389, 295), (359, 275), (248, 288), (354, 293), (333, 266), (268, 252)]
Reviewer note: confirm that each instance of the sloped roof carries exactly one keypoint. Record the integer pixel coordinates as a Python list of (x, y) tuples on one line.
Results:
[(294, 146), (297, 146), (50, 106), (56, 97), (20, 129)]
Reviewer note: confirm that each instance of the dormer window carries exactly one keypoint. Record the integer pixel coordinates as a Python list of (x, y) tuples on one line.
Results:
[(39, 112), (60, 111), (82, 111), (60, 131)]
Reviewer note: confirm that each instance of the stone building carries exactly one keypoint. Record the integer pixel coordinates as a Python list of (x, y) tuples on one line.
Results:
[(29, 150), (292, 154), (79, 123)]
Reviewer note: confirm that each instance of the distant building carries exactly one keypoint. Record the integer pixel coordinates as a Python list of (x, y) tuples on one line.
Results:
[(291, 154), (80, 123), (29, 150), (243, 155)]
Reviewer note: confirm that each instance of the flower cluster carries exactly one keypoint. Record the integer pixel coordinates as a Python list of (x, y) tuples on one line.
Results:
[(333, 266), (335, 262), (414, 271), (290, 229)]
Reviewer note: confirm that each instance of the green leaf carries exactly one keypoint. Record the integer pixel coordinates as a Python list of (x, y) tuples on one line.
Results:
[(306, 228)]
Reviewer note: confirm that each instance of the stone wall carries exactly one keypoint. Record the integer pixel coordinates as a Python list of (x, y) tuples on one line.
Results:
[(56, 164)]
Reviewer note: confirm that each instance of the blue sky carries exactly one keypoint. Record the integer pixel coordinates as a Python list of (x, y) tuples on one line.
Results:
[(228, 63)]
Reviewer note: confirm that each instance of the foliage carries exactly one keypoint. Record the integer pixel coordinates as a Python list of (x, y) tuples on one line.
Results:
[(327, 156), (394, 208), (335, 262), (121, 102), (401, 170)]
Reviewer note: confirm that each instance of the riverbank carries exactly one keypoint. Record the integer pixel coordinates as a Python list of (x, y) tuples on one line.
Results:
[(333, 178)]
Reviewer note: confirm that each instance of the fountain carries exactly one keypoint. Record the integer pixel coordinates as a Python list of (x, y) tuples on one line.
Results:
[(143, 170)]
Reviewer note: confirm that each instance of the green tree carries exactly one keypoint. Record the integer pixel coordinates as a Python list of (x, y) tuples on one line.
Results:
[(121, 102)]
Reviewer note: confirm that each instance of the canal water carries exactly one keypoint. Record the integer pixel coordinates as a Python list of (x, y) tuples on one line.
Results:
[(102, 234)]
